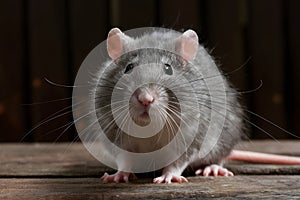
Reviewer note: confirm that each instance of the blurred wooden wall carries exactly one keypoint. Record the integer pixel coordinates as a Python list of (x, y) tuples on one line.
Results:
[(50, 38)]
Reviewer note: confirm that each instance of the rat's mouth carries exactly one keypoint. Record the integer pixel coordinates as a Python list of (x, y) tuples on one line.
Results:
[(140, 115), (145, 115)]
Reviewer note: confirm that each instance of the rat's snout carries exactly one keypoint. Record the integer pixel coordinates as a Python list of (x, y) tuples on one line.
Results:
[(145, 98)]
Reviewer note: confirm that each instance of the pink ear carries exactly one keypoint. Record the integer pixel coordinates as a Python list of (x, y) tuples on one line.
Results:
[(114, 43), (187, 45)]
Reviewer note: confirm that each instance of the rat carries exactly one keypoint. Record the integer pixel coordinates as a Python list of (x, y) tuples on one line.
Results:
[(167, 81)]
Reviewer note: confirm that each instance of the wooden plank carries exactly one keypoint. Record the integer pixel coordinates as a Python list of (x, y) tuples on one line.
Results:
[(48, 59), (292, 67), (65, 160), (11, 67), (88, 28), (266, 45), (87, 21), (238, 187), (50, 160)]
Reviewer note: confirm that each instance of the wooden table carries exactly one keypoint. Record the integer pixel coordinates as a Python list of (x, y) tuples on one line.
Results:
[(63, 171)]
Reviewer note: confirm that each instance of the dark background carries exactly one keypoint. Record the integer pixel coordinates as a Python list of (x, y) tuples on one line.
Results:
[(50, 38)]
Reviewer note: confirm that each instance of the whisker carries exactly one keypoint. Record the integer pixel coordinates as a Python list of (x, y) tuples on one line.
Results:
[(83, 116), (256, 126), (66, 86), (167, 126), (257, 115), (207, 106), (124, 120), (178, 88), (179, 129), (61, 134), (44, 102), (239, 68), (50, 118), (272, 123)]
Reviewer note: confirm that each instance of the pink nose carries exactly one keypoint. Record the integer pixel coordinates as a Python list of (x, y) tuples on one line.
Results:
[(145, 99)]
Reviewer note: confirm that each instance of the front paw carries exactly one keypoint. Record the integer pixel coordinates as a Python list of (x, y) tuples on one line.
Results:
[(118, 177), (215, 170), (169, 177)]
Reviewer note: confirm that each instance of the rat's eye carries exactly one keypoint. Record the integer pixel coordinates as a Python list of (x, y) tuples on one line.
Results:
[(168, 69), (129, 68)]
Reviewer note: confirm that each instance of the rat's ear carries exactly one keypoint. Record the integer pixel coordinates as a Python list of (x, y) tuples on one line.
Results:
[(115, 42), (187, 45)]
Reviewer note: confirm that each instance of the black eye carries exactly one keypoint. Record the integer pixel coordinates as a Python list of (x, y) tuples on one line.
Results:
[(168, 69), (129, 68)]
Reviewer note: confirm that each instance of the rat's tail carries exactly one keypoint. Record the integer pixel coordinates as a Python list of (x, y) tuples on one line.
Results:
[(265, 158)]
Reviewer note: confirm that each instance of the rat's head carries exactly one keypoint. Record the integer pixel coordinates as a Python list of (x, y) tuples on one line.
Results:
[(145, 72)]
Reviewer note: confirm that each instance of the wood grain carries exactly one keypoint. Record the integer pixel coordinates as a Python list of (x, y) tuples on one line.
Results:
[(238, 187), (48, 59), (293, 63), (68, 171), (228, 46), (12, 114), (50, 38), (266, 48), (65, 160), (88, 28)]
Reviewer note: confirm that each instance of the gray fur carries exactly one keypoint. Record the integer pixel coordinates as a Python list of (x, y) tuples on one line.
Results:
[(139, 52)]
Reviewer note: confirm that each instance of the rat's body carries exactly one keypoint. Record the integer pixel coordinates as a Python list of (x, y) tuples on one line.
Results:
[(163, 57)]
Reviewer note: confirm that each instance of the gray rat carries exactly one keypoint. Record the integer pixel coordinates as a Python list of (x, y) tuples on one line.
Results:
[(168, 80)]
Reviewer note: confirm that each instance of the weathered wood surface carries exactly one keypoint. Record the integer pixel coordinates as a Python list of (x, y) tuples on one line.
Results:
[(73, 160), (240, 187), (63, 171)]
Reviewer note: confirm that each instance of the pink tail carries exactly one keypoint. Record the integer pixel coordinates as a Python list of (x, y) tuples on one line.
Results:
[(255, 157)]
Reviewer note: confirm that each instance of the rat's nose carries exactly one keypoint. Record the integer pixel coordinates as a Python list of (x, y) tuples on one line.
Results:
[(145, 99)]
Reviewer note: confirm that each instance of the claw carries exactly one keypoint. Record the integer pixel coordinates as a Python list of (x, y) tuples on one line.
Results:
[(215, 170), (169, 178), (118, 177)]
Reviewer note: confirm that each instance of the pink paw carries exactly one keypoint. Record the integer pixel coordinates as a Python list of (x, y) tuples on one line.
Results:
[(118, 177), (168, 178), (215, 170)]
